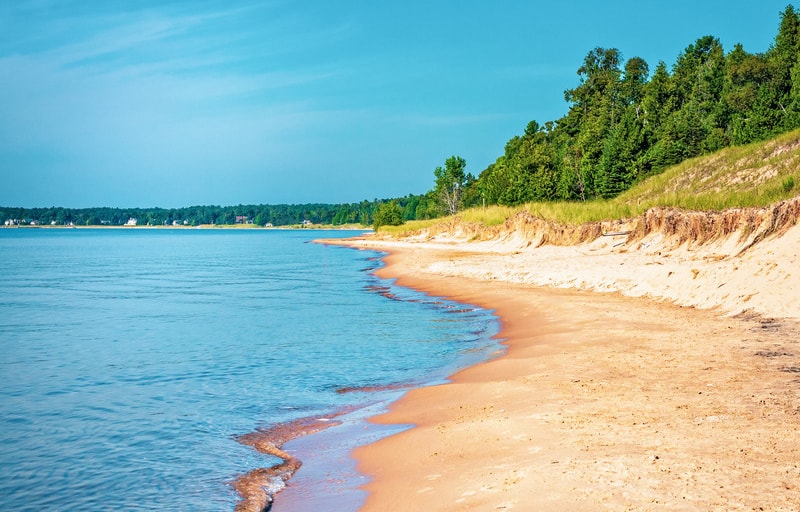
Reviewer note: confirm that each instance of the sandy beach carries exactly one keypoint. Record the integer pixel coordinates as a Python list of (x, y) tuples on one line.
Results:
[(644, 375)]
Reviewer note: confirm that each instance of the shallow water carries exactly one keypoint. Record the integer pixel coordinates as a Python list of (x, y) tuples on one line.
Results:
[(133, 359)]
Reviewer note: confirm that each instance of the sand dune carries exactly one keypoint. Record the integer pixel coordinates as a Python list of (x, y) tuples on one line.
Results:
[(748, 264)]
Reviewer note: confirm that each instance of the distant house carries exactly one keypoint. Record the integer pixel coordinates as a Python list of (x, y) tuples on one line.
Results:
[(241, 219), (307, 222), (131, 222), (268, 225)]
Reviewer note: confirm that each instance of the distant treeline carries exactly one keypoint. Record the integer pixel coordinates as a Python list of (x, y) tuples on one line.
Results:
[(625, 124), (277, 215)]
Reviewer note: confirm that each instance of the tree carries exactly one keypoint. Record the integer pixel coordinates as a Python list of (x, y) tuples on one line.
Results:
[(623, 155), (596, 108), (388, 214), (747, 76), (493, 181), (532, 168), (410, 207), (783, 57), (634, 82), (450, 182)]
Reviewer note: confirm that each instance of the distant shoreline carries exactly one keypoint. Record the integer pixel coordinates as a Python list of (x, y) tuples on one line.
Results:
[(318, 227)]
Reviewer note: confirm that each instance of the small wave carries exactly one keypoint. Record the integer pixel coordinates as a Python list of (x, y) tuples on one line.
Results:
[(382, 290), (376, 388)]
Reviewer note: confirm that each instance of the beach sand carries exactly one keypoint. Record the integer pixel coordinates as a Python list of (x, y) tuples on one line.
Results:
[(624, 400)]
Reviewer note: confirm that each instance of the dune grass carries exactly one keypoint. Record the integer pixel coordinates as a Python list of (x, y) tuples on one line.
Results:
[(758, 174)]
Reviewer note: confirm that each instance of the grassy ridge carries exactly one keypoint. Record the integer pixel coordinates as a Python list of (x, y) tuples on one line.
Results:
[(758, 174)]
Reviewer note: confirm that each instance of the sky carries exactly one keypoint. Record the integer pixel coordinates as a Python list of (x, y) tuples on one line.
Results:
[(173, 103)]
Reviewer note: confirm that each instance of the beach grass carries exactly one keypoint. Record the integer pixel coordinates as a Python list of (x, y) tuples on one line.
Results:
[(757, 174), (409, 227)]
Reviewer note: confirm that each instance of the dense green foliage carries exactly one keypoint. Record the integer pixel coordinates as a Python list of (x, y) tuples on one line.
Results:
[(624, 124), (388, 214)]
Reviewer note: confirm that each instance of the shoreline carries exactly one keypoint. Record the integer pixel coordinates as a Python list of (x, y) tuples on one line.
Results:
[(314, 468), (600, 401)]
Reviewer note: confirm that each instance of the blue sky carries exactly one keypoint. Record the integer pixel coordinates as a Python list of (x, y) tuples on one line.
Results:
[(178, 103)]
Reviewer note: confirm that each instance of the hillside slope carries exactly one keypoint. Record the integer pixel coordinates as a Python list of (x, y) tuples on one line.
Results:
[(754, 175), (736, 259)]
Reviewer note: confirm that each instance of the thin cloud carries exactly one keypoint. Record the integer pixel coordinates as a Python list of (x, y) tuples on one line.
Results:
[(248, 39), (449, 120)]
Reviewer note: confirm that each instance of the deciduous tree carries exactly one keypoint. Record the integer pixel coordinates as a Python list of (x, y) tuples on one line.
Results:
[(450, 182)]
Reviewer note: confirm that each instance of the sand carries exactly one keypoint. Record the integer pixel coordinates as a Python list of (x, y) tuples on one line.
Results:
[(679, 391)]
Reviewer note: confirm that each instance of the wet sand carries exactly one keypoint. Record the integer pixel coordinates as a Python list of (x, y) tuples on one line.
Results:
[(602, 402)]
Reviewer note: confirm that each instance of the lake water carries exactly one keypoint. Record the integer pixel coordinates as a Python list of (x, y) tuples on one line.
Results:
[(132, 360)]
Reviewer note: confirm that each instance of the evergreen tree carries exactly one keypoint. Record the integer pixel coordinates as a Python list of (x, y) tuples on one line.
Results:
[(783, 58)]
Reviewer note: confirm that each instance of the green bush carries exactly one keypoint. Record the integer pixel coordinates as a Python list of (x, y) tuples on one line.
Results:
[(388, 214)]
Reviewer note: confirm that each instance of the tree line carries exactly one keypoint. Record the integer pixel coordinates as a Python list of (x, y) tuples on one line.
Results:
[(625, 123), (277, 215)]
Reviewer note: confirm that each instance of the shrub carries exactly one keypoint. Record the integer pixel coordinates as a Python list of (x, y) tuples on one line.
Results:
[(388, 214), (788, 184)]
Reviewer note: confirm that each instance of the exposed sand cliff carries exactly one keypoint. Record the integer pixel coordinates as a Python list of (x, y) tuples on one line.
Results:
[(737, 260)]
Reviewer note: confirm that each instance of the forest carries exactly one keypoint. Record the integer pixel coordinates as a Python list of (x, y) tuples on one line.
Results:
[(624, 123)]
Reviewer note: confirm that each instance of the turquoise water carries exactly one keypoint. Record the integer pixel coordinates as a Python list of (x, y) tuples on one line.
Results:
[(133, 359)]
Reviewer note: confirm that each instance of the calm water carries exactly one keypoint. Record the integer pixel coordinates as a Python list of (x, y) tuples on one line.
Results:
[(131, 359)]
